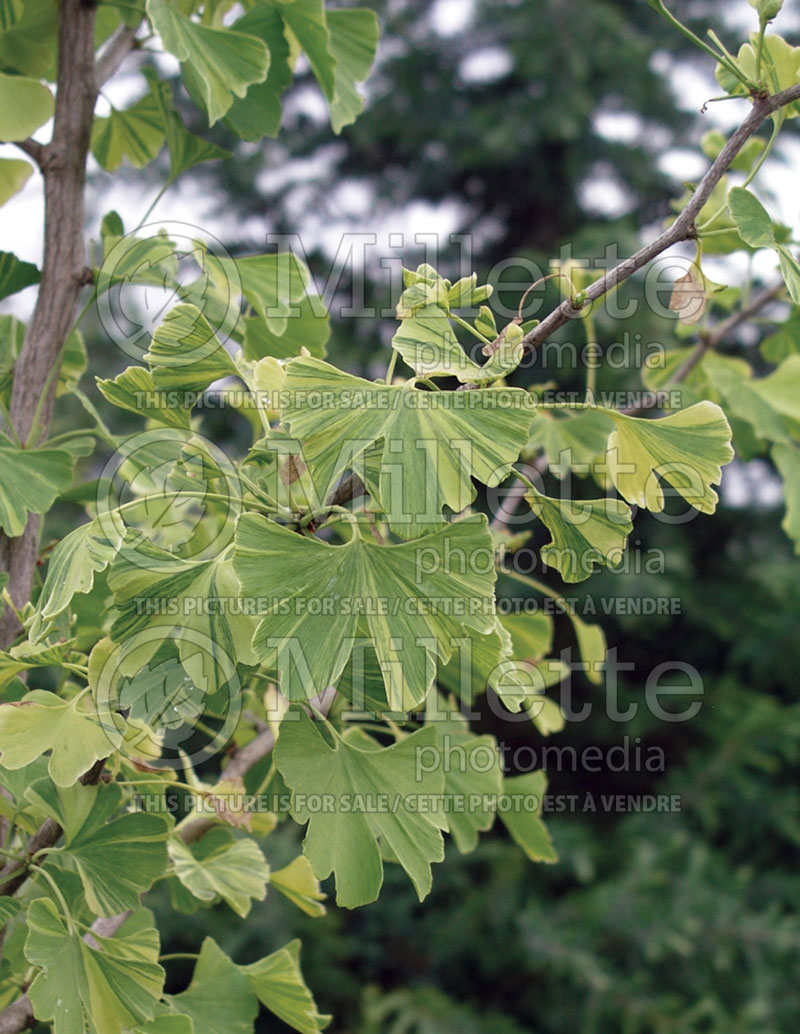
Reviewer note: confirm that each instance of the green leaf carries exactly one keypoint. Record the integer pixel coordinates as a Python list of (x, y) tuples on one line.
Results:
[(790, 271), (309, 329), (220, 866), (306, 20), (25, 105), (135, 391), (167, 1025), (30, 45), (14, 174), (273, 284), (10, 13), (585, 533), (787, 460), (752, 220), (75, 736), (747, 399), (224, 63), (185, 354), (428, 344), (297, 882), (25, 656), (571, 440), (767, 9), (81, 554), (32, 479), (142, 571), (117, 860), (218, 998), (185, 149), (136, 134), (258, 113), (784, 342), (277, 981), (433, 442), (312, 595), (353, 43), (73, 364), (82, 988), (591, 646), (521, 818), (343, 839), (687, 449), (472, 774), (16, 275)]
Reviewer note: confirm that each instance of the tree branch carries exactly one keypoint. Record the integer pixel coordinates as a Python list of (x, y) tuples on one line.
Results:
[(63, 165), (122, 43), (681, 230)]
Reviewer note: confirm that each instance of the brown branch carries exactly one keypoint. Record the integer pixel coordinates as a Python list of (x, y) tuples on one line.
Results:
[(33, 149), (121, 44), (46, 835), (709, 340), (17, 1017), (63, 165), (681, 230)]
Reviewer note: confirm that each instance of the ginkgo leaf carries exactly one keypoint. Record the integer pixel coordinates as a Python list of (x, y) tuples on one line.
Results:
[(136, 133), (82, 988), (531, 634), (434, 441), (218, 998), (14, 174), (687, 449), (787, 460), (16, 275), (134, 390), (752, 220), (30, 46), (570, 439), (223, 63), (185, 354), (25, 105), (521, 818), (274, 285), (586, 533), (185, 149), (258, 113), (220, 866), (167, 1024), (41, 721), (309, 329), (117, 860), (428, 344), (591, 647), (277, 981), (473, 777), (25, 656), (353, 43), (312, 595), (78, 557), (747, 399), (374, 793), (142, 571), (32, 479), (307, 22), (297, 882)]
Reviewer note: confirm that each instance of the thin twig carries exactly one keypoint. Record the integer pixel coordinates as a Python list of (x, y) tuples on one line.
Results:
[(681, 230)]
